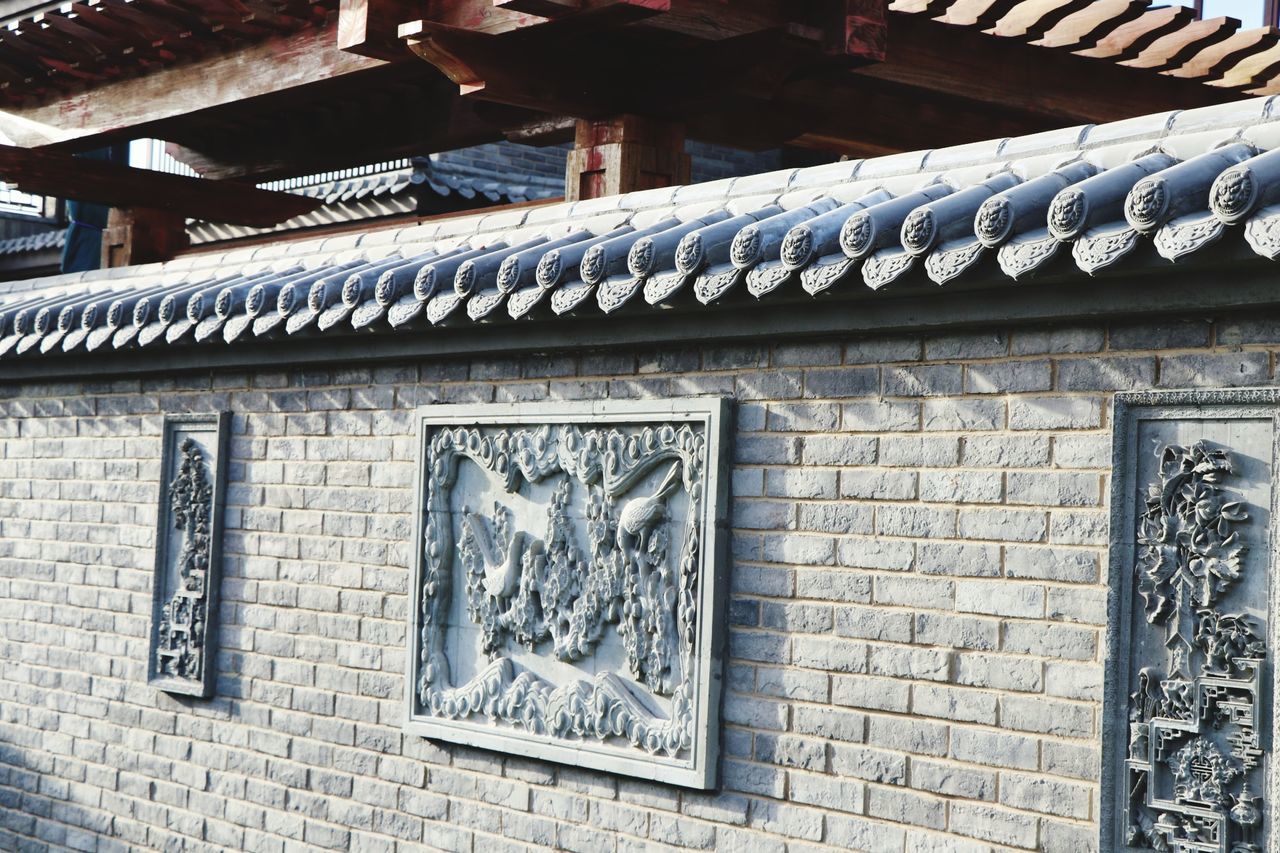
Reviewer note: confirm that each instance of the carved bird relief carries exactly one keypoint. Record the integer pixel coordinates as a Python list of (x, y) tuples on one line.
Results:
[(641, 515), (502, 561)]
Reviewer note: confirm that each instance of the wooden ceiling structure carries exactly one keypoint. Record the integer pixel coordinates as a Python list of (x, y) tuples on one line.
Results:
[(250, 90)]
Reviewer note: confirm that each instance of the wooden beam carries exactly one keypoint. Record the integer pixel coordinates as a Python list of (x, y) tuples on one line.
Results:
[(124, 109), (369, 27), (932, 57), (60, 175)]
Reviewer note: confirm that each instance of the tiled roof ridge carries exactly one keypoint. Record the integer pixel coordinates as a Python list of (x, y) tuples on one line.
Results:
[(1089, 196)]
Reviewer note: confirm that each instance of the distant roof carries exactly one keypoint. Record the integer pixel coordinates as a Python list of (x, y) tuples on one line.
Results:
[(1155, 190), (459, 180)]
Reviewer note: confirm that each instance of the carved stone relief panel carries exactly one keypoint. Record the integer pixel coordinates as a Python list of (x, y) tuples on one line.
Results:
[(184, 602), (568, 583), (1190, 689)]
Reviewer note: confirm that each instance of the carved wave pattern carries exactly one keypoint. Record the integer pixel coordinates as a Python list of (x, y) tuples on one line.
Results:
[(551, 592)]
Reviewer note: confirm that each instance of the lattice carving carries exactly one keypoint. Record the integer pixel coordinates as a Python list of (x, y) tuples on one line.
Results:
[(1195, 755), (185, 598)]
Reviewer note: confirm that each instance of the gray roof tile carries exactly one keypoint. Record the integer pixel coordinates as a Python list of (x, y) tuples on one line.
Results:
[(1073, 199)]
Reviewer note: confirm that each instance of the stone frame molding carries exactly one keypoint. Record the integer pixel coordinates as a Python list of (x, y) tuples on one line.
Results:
[(601, 714), (188, 554), (1145, 570)]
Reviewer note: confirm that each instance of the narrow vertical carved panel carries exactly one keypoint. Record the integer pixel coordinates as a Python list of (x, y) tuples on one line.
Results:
[(1189, 703), (568, 583), (184, 603)]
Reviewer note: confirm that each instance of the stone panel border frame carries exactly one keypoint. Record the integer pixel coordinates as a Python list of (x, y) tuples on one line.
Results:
[(1126, 495), (215, 432), (712, 415)]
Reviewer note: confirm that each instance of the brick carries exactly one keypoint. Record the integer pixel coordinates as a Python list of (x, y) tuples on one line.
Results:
[(1106, 374), (1058, 340), (966, 346), (994, 748), (1053, 488), (963, 632), (1038, 413), (919, 451), (1002, 525), (1026, 601), (953, 780), (1046, 716), (994, 824), (1010, 377), (960, 487), (1214, 370), (839, 450), (1165, 334), (923, 381), (841, 382), (878, 485), (881, 416), (1006, 451)]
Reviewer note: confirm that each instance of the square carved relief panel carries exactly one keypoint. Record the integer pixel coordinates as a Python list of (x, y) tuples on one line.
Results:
[(569, 574)]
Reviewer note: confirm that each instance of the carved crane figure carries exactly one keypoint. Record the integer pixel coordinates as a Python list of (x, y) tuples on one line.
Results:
[(641, 515), (502, 560)]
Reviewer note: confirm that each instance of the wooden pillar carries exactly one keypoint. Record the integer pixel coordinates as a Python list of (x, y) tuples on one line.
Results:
[(142, 235), (622, 154)]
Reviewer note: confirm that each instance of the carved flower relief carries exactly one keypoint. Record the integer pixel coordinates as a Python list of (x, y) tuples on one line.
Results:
[(286, 302), (1233, 193), (195, 306), (746, 247), (384, 292), (1147, 202), (550, 267), (919, 229), (797, 247), (43, 318), (464, 281), (115, 314), (994, 220), (352, 291), (856, 235), (640, 258), (592, 268), (509, 274), (690, 253), (1067, 213)]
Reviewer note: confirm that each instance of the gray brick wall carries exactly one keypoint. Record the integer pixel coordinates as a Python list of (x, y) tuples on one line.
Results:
[(916, 614)]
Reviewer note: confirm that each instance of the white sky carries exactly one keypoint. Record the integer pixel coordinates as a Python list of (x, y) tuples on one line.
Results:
[(1248, 11)]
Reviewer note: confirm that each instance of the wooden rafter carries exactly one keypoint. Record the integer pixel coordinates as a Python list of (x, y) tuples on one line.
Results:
[(61, 175)]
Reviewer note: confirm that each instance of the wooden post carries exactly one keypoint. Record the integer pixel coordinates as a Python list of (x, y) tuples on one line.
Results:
[(142, 235), (623, 154)]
